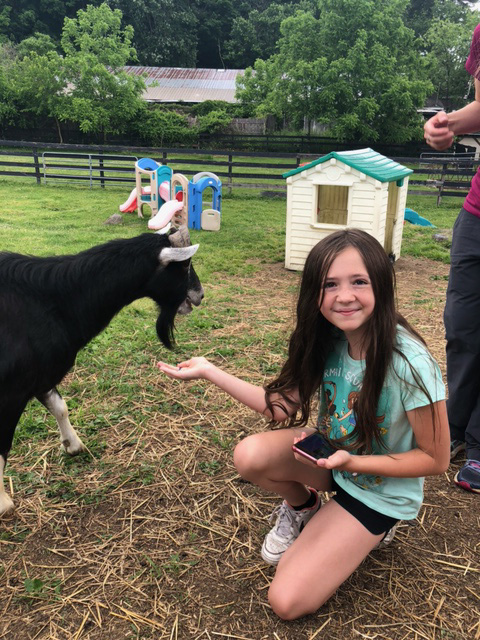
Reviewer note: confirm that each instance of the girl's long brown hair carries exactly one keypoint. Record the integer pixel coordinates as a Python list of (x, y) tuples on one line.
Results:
[(313, 337)]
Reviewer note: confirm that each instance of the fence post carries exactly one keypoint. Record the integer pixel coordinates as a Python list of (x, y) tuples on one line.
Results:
[(442, 180), (230, 174), (164, 157), (102, 173), (36, 165)]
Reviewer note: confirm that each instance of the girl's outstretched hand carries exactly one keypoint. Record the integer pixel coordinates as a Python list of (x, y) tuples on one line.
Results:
[(189, 370)]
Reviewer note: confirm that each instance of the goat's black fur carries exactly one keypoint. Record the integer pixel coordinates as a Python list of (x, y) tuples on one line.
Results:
[(52, 307)]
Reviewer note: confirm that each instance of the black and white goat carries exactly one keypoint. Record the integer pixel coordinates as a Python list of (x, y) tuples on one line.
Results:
[(52, 307)]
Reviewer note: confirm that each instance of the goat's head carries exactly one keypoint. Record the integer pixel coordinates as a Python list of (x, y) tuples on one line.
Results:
[(176, 284)]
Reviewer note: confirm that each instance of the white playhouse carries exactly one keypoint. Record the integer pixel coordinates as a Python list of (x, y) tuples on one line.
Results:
[(360, 188)]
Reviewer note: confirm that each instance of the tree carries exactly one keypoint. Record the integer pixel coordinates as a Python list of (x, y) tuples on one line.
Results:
[(22, 18), (39, 43), (102, 96), (165, 31), (214, 19), (40, 84), (420, 13), (449, 44), (86, 84), (8, 110), (357, 68), (256, 35)]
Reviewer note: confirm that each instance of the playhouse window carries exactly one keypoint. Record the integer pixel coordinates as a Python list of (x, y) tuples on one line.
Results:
[(332, 204)]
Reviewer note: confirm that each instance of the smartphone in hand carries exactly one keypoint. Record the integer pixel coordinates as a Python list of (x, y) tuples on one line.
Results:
[(314, 447)]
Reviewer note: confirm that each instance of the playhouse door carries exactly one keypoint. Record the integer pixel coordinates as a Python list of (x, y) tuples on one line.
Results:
[(391, 216)]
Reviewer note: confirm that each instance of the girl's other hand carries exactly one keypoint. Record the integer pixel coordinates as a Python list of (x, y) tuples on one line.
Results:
[(188, 370), (303, 459), (338, 460)]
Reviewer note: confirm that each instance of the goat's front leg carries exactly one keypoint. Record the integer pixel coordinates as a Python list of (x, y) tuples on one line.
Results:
[(11, 409), (6, 503), (57, 406)]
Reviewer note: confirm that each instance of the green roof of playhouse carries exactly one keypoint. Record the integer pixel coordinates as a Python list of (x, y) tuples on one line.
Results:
[(367, 161)]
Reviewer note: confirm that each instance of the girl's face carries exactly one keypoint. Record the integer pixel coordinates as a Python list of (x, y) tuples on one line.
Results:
[(348, 299)]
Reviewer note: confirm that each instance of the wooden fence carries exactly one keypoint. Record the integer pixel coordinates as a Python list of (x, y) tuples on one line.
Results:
[(439, 175)]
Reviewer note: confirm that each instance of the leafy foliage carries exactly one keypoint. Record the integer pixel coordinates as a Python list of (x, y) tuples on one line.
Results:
[(213, 121), (449, 44), (161, 126), (165, 31), (86, 84), (361, 68), (256, 35), (356, 68)]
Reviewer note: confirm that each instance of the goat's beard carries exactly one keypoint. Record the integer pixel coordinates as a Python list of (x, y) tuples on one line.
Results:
[(166, 325)]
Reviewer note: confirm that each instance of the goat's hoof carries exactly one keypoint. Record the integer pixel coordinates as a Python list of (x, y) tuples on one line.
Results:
[(73, 448), (6, 504)]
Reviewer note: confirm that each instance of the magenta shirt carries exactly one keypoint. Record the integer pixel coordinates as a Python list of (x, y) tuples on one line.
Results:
[(472, 65)]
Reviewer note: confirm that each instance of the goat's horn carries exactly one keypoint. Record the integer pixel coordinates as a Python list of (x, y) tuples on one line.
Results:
[(180, 238)]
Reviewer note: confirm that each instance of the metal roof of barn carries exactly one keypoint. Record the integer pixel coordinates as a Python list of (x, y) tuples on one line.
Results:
[(366, 161), (174, 84)]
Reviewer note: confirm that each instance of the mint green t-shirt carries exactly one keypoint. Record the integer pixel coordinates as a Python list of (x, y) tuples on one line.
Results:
[(395, 497)]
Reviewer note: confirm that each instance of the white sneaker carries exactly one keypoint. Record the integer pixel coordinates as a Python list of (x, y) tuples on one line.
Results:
[(289, 523), (389, 536)]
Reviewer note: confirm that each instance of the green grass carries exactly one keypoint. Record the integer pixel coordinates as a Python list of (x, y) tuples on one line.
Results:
[(45, 220), (419, 241), (52, 219)]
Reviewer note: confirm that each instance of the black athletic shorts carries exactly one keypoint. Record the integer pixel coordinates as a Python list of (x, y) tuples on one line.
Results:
[(372, 520)]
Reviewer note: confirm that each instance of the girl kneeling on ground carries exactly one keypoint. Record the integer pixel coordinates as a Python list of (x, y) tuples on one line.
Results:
[(381, 404)]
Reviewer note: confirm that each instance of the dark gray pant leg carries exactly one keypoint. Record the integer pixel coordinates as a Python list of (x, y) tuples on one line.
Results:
[(462, 325)]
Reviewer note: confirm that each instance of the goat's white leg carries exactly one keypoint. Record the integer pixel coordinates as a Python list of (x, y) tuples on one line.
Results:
[(57, 406), (6, 503)]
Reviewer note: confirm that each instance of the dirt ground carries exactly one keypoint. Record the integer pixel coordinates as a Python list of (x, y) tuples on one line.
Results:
[(171, 550)]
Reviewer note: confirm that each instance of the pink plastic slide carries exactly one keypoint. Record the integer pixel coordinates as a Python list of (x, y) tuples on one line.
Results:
[(131, 203), (167, 210), (166, 213)]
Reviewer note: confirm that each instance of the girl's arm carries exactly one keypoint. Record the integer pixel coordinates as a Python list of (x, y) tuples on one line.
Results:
[(430, 457), (250, 395), (442, 127)]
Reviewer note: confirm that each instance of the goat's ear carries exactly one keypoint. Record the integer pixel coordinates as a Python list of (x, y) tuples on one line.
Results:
[(172, 254)]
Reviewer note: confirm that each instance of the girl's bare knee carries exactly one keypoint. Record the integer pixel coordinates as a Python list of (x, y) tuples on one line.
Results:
[(247, 457), (292, 603), (287, 605)]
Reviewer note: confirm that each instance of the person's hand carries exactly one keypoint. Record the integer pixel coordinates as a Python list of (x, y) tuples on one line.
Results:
[(189, 370), (299, 457), (338, 460), (437, 134), (321, 462)]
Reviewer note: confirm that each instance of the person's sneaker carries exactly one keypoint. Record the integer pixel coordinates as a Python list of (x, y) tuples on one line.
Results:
[(389, 536), (469, 476), (455, 447), (288, 525)]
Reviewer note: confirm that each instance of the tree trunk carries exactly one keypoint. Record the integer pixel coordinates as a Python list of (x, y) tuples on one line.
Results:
[(59, 130)]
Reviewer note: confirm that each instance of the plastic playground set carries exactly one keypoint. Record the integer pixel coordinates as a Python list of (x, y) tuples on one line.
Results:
[(173, 198)]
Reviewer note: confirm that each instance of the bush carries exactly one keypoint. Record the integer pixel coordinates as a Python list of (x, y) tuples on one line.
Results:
[(204, 108), (160, 127), (213, 122)]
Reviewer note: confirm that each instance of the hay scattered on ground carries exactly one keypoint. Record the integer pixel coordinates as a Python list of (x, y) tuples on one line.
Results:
[(159, 538)]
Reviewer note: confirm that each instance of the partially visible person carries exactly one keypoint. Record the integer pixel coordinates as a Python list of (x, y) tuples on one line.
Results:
[(462, 309), (382, 403)]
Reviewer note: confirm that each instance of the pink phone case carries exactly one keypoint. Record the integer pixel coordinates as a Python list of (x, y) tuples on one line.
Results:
[(305, 455)]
